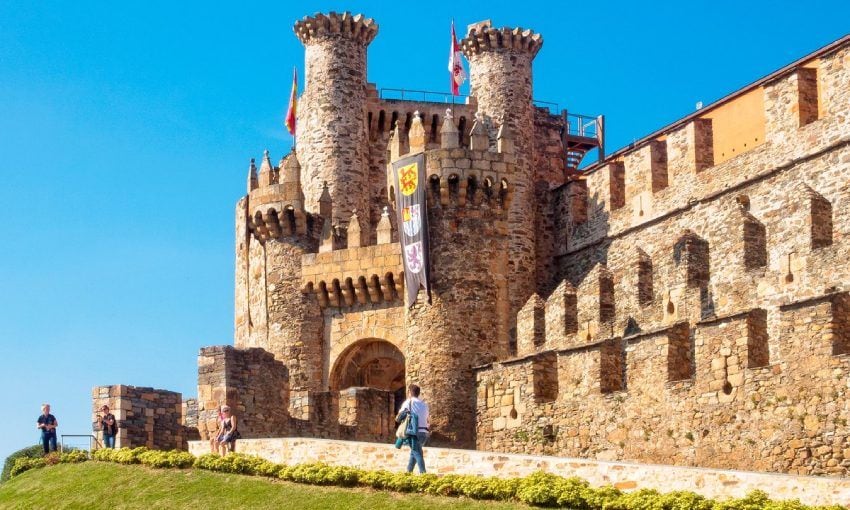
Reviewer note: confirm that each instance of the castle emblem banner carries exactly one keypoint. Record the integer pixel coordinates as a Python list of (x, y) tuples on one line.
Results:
[(409, 177)]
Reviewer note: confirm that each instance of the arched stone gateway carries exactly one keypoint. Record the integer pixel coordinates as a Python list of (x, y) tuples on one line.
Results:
[(370, 363)]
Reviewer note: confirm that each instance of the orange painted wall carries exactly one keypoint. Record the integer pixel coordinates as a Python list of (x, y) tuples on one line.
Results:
[(738, 125)]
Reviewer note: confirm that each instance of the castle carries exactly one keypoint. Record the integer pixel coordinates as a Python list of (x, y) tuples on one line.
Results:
[(684, 300)]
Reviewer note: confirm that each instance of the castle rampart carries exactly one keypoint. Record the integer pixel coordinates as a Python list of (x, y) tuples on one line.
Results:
[(705, 331), (682, 301)]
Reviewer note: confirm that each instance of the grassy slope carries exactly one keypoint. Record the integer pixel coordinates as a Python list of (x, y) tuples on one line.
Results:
[(114, 486)]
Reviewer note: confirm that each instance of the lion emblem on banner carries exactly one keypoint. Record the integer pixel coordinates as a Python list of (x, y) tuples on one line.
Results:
[(413, 257), (411, 220), (408, 179)]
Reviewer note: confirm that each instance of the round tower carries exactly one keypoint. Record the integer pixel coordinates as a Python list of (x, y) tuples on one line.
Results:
[(273, 232), (332, 135), (500, 78), (466, 323)]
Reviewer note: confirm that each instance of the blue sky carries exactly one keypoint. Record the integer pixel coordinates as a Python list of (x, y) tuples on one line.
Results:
[(126, 128)]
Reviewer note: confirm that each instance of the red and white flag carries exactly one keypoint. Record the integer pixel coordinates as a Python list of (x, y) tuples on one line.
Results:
[(292, 111), (457, 74)]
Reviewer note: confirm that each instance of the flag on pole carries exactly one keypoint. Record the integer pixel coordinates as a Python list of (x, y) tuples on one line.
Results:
[(456, 72), (293, 104)]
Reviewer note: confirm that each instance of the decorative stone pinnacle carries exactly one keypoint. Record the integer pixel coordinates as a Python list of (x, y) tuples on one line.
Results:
[(253, 181), (449, 114), (385, 228), (321, 26), (325, 202), (266, 170), (482, 38), (266, 165), (416, 136), (478, 137)]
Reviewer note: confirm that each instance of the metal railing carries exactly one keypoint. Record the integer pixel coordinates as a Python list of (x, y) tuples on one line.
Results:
[(553, 107), (425, 96), (93, 443), (583, 125)]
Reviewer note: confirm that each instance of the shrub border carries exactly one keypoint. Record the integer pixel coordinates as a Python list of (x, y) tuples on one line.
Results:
[(538, 489)]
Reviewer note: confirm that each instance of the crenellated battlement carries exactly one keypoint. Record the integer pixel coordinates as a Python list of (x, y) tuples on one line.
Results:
[(482, 37), (358, 275), (682, 301), (721, 146), (276, 200), (320, 26), (473, 176)]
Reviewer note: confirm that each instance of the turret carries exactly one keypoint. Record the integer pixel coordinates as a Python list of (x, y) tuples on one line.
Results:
[(332, 133), (273, 232), (500, 75)]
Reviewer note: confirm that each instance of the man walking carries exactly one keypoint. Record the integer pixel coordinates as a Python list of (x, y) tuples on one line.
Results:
[(108, 426), (419, 427), (47, 425)]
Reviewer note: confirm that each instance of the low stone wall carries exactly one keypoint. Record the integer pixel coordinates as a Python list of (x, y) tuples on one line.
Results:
[(712, 394), (714, 483), (251, 382), (146, 416)]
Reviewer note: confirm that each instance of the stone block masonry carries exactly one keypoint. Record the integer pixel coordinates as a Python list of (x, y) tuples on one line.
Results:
[(146, 416), (257, 388), (251, 382), (683, 300)]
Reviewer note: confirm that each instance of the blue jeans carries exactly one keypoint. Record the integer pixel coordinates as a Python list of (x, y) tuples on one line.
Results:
[(109, 440), (48, 439), (416, 458)]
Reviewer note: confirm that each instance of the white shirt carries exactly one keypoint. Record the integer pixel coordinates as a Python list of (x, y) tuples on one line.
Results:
[(420, 409)]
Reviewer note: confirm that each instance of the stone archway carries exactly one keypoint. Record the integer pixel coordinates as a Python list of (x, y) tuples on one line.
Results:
[(370, 363)]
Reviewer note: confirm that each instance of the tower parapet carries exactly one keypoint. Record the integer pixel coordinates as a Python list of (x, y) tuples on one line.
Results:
[(332, 132)]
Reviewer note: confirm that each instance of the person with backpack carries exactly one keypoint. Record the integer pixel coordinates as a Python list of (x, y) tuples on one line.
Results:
[(414, 427), (47, 425)]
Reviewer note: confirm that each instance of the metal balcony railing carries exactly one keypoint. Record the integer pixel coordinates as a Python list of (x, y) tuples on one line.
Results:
[(425, 96), (583, 125)]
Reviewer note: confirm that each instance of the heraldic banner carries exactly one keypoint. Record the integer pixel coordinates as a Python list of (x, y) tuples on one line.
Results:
[(409, 176)]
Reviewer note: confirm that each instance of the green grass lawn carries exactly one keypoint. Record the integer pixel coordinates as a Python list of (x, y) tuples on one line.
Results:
[(114, 486)]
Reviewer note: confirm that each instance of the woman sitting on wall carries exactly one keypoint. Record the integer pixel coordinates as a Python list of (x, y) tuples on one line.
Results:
[(227, 432)]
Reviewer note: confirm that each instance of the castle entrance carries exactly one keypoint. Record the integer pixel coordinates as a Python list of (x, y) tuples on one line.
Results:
[(370, 363)]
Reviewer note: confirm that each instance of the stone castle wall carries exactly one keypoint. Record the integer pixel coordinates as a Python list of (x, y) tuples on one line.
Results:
[(682, 301), (469, 195), (146, 416), (257, 388), (695, 323), (251, 382)]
